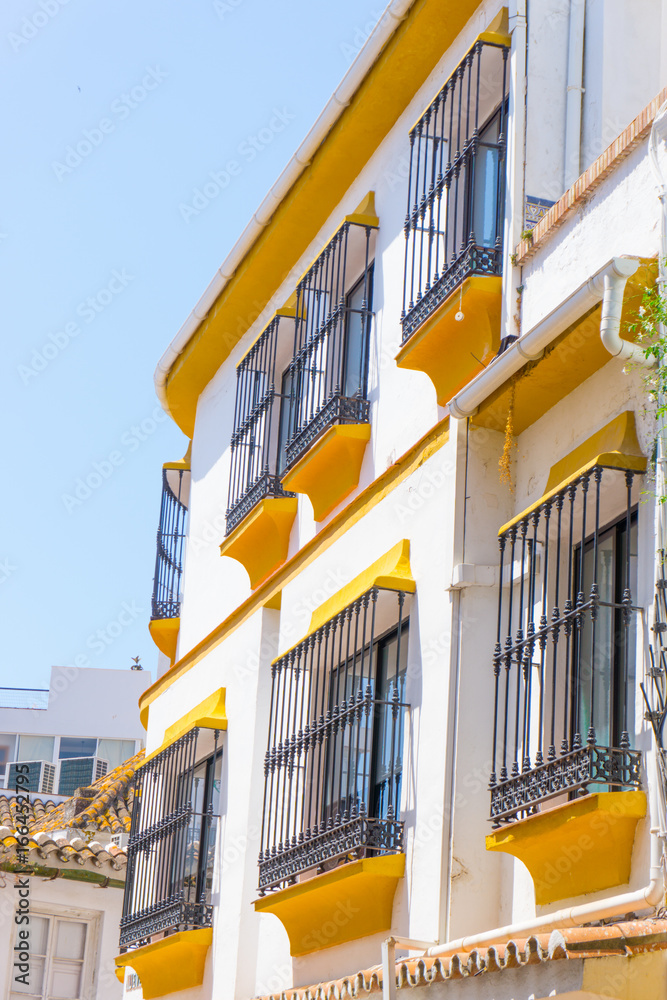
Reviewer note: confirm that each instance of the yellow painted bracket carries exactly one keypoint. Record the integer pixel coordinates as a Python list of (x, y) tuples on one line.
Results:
[(164, 633), (171, 964), (261, 541), (390, 572), (450, 351), (580, 847), (345, 904), (330, 469), (614, 446), (211, 713)]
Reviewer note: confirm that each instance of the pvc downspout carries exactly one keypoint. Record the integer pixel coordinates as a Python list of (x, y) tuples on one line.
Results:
[(395, 12), (608, 285), (575, 92)]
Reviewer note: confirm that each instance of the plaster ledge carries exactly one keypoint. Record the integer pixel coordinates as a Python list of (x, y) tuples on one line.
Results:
[(450, 351), (261, 541), (171, 964), (164, 633), (330, 469), (576, 848), (352, 901)]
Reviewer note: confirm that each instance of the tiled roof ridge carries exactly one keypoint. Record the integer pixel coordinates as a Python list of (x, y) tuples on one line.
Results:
[(106, 810), (586, 183), (624, 938)]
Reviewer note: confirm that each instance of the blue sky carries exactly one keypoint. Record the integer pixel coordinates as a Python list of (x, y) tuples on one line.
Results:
[(114, 114)]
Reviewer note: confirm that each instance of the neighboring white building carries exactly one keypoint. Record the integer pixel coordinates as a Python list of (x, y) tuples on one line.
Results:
[(61, 889), (407, 576), (85, 724)]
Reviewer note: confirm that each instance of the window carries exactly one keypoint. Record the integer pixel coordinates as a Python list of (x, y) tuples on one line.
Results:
[(564, 661), (612, 673), (171, 849), (258, 439), (307, 370), (166, 601), (76, 746), (7, 751), (334, 761), (36, 747), (115, 751), (58, 948), (454, 218), (329, 371)]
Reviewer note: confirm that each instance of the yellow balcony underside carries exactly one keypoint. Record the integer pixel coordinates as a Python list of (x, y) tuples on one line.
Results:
[(261, 541), (171, 964), (330, 470), (211, 713), (164, 633), (580, 847), (450, 351), (572, 358), (350, 902)]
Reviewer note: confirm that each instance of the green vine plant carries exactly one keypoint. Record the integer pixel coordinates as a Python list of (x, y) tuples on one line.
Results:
[(649, 330)]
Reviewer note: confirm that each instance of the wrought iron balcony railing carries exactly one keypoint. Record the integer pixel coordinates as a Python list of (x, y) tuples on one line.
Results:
[(166, 602), (257, 445), (333, 766), (172, 840), (565, 652), (454, 221), (327, 380)]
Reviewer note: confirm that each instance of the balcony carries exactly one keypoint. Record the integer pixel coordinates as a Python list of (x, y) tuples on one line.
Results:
[(333, 781), (171, 850), (166, 601), (564, 660), (326, 383), (454, 223)]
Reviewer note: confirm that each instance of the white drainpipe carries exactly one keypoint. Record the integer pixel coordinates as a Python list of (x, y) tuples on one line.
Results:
[(575, 90), (608, 285), (650, 896)]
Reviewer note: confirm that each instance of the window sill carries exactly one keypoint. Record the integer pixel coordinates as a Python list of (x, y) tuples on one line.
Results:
[(330, 469), (261, 541), (164, 633), (579, 847), (350, 902), (452, 352), (171, 964)]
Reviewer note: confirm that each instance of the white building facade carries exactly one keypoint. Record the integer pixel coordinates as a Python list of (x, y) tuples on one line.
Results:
[(407, 574), (85, 724)]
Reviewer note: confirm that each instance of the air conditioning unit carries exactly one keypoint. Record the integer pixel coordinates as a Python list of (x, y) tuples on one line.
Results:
[(79, 772), (119, 840), (41, 775)]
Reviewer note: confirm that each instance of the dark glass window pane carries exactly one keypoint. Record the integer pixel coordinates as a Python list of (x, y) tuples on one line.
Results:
[(75, 746), (357, 336)]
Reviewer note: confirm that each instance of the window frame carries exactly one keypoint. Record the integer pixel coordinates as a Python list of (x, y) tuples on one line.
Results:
[(157, 898), (53, 912)]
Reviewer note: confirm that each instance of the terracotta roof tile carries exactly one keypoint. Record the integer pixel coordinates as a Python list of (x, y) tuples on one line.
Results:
[(105, 806), (627, 938)]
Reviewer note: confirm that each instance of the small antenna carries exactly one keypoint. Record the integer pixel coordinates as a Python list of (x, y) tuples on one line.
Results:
[(136, 664)]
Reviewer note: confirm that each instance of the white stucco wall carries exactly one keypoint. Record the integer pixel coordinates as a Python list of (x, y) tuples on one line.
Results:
[(100, 908), (450, 509)]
